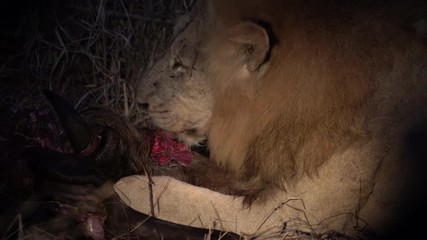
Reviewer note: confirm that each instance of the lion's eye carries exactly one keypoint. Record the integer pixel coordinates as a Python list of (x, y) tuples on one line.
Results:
[(177, 69), (177, 66), (250, 50)]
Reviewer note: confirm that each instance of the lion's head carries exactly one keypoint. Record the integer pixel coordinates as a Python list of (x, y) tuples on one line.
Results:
[(175, 92)]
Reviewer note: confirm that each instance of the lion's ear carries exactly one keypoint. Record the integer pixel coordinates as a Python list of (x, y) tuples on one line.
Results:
[(254, 39)]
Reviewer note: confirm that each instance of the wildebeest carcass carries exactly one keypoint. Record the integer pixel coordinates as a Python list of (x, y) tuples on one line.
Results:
[(56, 191)]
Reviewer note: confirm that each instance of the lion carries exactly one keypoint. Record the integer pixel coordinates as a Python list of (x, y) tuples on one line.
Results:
[(315, 99)]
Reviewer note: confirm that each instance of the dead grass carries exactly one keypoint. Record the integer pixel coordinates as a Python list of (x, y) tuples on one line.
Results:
[(91, 52)]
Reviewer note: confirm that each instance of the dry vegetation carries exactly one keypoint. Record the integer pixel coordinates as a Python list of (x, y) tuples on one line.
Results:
[(91, 52)]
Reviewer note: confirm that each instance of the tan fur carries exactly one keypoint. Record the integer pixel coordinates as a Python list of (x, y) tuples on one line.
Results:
[(281, 87)]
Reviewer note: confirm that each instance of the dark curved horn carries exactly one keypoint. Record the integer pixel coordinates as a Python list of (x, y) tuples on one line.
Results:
[(69, 168), (78, 132)]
